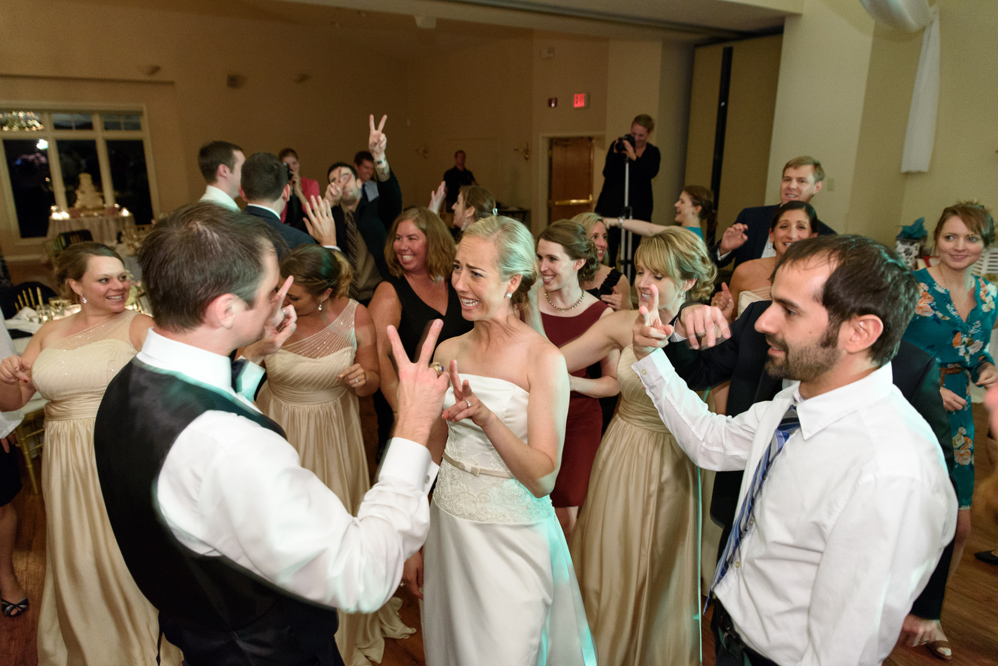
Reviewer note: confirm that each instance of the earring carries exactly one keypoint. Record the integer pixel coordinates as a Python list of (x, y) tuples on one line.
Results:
[(320, 307), (509, 294), (84, 298)]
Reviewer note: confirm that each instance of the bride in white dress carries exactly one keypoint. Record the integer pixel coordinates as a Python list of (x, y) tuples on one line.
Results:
[(499, 586)]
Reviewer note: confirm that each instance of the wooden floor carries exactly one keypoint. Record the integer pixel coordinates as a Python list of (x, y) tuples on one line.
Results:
[(970, 615)]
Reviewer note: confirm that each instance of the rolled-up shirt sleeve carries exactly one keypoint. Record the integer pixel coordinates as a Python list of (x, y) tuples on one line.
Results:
[(244, 495), (711, 440)]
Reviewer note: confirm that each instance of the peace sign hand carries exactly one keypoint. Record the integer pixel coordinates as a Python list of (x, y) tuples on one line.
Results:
[(649, 332), (377, 141), (420, 389), (466, 402)]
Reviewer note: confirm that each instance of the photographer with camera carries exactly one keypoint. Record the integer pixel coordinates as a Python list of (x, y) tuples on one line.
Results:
[(631, 149), (302, 188)]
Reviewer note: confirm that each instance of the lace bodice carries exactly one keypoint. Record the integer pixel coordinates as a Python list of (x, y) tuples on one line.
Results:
[(306, 371), (73, 373), (485, 498)]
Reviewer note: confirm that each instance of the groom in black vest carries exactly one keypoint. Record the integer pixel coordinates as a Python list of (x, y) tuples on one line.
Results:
[(245, 553)]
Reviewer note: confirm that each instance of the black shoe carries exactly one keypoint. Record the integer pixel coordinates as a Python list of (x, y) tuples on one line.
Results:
[(987, 556)]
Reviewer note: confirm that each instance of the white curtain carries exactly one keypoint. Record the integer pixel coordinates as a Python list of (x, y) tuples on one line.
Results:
[(921, 133)]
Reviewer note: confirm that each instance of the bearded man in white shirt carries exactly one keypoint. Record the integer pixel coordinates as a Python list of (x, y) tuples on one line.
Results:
[(245, 554), (221, 165), (846, 505)]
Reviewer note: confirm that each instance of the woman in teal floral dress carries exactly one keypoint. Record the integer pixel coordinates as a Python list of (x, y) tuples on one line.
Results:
[(953, 322)]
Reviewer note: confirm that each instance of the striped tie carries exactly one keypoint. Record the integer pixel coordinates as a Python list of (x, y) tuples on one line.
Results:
[(788, 426), (351, 245)]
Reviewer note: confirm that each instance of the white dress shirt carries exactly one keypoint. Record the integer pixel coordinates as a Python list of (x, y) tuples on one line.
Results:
[(848, 526), (215, 195), (231, 487)]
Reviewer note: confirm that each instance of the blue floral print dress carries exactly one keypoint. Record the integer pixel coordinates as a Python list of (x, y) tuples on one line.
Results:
[(961, 348)]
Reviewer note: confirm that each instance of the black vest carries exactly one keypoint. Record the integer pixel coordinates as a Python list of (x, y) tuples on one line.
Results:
[(214, 610)]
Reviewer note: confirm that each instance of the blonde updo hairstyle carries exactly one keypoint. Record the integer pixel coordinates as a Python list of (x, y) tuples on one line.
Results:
[(572, 237), (317, 269), (73, 262), (681, 256), (515, 253)]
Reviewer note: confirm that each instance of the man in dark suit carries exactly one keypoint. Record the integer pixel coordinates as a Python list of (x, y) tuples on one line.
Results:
[(264, 185), (748, 237), (742, 359), (362, 225)]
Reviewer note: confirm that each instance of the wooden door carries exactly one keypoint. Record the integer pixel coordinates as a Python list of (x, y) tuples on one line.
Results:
[(570, 177)]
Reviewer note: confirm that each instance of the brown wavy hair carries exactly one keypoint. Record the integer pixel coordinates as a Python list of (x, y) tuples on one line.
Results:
[(973, 214), (439, 243), (316, 269), (72, 263), (573, 238)]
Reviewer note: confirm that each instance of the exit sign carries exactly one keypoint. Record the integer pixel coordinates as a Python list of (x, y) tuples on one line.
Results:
[(580, 101)]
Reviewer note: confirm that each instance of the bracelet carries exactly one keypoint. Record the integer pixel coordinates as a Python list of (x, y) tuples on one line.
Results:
[(381, 162)]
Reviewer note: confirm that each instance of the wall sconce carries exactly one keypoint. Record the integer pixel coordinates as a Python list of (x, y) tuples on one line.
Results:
[(523, 150), (423, 151)]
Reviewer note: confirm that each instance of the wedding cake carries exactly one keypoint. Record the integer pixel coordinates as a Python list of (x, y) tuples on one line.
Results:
[(87, 196)]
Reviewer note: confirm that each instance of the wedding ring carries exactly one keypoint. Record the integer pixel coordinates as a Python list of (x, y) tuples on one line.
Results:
[(468, 402), (439, 368)]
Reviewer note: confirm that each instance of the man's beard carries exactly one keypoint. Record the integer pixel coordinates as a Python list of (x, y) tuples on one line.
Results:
[(803, 363)]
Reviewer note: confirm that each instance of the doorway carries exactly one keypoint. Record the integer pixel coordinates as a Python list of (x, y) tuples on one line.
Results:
[(570, 177)]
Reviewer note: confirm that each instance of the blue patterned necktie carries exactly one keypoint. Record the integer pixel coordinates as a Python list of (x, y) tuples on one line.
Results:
[(788, 426)]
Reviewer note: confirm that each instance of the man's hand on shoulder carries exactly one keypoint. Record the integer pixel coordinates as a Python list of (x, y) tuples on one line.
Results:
[(421, 388), (703, 325)]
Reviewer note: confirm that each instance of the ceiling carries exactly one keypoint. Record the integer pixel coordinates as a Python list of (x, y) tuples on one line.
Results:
[(456, 21)]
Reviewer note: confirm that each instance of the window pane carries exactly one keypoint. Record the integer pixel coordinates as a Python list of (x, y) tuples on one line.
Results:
[(29, 121), (28, 166), (78, 158), (78, 121), (128, 175), (122, 121)]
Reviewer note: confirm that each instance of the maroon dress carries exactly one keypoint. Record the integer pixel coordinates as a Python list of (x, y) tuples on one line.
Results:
[(585, 417)]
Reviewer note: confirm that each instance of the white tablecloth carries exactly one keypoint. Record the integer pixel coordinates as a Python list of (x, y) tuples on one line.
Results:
[(103, 229)]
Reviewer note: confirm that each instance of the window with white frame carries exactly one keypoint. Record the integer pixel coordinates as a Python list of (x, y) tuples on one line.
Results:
[(45, 153)]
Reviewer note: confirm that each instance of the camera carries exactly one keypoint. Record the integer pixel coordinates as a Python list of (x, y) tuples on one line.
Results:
[(291, 176), (618, 146)]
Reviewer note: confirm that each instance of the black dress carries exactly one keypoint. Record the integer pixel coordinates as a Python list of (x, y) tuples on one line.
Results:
[(608, 285), (417, 316)]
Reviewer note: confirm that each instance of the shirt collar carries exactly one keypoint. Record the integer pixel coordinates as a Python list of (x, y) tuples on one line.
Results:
[(198, 364), (219, 196), (822, 410), (266, 208)]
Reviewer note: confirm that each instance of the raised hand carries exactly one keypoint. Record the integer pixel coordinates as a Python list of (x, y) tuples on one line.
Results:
[(277, 328), (377, 141), (14, 370), (319, 220), (420, 389), (333, 193), (649, 332), (701, 324), (734, 237), (437, 197), (467, 404)]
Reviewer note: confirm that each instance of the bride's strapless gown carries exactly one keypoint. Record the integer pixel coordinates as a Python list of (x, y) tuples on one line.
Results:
[(635, 545), (499, 587), (321, 418), (92, 613)]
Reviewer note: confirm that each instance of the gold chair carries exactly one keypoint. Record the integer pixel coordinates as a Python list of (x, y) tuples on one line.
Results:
[(30, 439)]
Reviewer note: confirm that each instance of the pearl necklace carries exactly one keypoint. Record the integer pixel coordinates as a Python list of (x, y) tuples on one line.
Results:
[(571, 307)]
